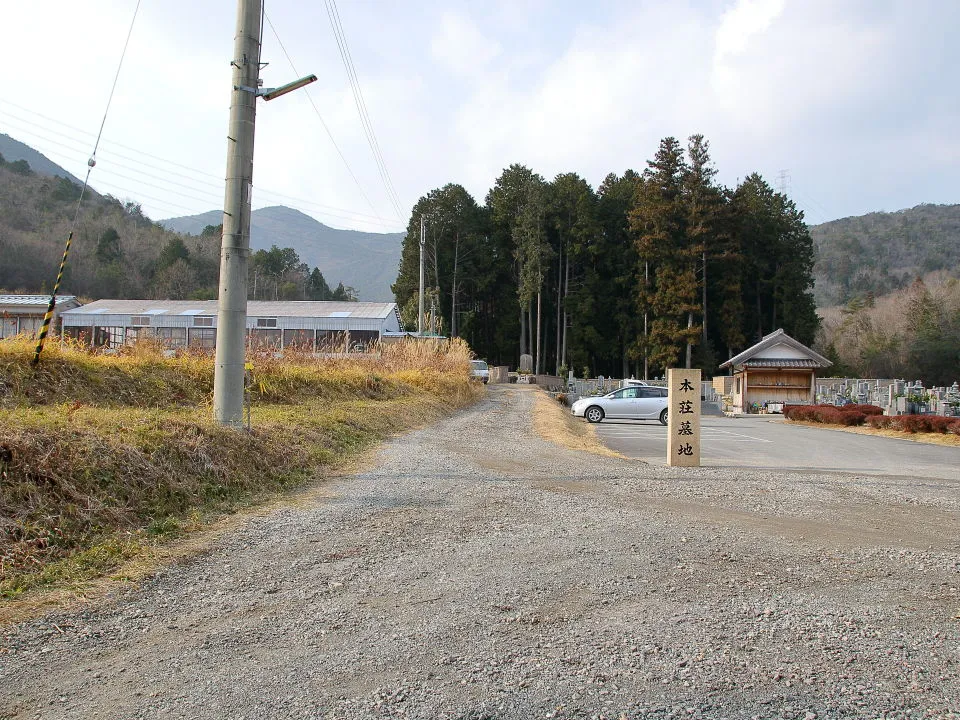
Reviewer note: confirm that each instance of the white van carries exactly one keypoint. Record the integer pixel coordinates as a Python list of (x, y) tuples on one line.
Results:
[(479, 370)]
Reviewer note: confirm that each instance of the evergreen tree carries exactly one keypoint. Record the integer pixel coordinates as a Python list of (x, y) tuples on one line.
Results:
[(659, 221), (777, 263), (573, 220), (705, 231), (317, 287), (108, 246), (505, 203)]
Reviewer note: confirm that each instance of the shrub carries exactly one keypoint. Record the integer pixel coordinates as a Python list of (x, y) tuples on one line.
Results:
[(869, 410), (848, 415), (917, 423)]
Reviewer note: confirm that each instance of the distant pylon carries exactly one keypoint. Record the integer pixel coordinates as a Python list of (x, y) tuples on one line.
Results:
[(783, 182)]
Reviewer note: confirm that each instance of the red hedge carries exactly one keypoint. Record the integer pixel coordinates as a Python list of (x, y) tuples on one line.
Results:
[(832, 415), (918, 423)]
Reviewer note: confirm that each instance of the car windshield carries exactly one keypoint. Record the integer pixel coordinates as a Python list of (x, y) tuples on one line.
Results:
[(479, 365)]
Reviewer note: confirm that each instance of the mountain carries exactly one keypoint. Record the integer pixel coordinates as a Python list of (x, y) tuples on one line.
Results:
[(117, 251), (13, 150), (881, 252), (368, 262)]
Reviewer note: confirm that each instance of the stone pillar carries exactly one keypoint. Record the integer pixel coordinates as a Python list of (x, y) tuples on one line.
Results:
[(683, 417)]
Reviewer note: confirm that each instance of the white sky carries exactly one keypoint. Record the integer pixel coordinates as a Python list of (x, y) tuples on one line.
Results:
[(856, 99)]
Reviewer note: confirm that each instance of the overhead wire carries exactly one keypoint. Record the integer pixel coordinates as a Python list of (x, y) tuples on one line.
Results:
[(48, 316), (107, 151), (320, 117), (333, 15)]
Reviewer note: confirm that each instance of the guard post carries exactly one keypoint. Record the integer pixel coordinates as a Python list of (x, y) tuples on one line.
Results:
[(683, 417)]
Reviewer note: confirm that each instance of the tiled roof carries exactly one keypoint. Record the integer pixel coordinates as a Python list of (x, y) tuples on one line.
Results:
[(777, 337), (781, 363)]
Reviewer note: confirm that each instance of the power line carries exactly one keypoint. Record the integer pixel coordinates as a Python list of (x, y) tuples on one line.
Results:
[(51, 306), (330, 211), (334, 16), (320, 118)]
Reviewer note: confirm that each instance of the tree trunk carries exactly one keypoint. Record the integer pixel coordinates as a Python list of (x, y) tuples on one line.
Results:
[(646, 357), (539, 333), (559, 303), (566, 292), (453, 287), (704, 309), (523, 331), (759, 314), (689, 344)]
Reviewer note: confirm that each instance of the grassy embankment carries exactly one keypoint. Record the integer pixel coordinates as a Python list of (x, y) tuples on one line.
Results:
[(104, 457)]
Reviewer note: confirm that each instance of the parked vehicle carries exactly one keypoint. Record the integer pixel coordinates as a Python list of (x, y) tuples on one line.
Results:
[(479, 370), (629, 403)]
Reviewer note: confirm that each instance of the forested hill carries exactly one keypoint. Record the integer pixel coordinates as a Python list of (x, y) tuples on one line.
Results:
[(881, 252), (14, 151), (118, 252)]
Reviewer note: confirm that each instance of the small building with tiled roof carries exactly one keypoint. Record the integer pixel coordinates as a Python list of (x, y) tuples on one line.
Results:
[(23, 314), (312, 326), (776, 371)]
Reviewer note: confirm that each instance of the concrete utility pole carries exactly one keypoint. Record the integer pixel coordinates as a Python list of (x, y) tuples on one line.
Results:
[(423, 247), (235, 244)]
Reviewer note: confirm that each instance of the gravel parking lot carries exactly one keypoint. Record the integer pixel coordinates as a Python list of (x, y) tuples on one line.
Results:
[(475, 570)]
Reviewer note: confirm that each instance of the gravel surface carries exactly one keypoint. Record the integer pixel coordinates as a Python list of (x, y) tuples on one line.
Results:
[(479, 572)]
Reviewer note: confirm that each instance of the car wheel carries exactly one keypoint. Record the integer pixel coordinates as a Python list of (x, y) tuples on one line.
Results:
[(663, 416), (593, 414)]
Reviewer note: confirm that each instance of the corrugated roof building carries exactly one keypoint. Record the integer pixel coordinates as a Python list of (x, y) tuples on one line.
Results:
[(23, 314), (304, 325)]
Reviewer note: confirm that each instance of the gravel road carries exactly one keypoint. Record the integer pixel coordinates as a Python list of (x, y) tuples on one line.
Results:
[(478, 572)]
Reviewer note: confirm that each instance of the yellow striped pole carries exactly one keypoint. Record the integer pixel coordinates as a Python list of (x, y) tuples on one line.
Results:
[(45, 328)]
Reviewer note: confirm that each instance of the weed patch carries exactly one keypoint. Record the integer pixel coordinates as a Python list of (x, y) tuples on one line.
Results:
[(101, 457)]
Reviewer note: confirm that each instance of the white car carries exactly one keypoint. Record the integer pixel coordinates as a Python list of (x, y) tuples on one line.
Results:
[(635, 402), (479, 370)]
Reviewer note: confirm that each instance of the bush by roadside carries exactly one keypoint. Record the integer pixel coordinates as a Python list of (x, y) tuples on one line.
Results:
[(917, 423), (847, 415), (871, 415)]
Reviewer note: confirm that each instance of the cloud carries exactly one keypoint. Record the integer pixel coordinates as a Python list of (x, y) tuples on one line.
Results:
[(460, 46), (741, 22)]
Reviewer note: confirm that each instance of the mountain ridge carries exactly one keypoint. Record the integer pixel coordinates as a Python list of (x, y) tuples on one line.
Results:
[(13, 150), (366, 261)]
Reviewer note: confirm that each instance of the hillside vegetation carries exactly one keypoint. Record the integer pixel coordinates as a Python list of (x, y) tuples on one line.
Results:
[(881, 252), (912, 333), (118, 252), (103, 456)]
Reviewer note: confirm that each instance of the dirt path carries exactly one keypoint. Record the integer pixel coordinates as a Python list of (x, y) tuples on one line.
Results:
[(481, 572)]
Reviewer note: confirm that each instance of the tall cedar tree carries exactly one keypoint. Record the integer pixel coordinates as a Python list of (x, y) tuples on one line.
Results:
[(532, 253), (705, 230), (777, 263), (455, 259), (573, 220), (506, 202), (670, 294)]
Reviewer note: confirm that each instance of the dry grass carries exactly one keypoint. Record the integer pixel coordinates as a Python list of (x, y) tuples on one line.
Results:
[(104, 459), (554, 423), (928, 438)]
